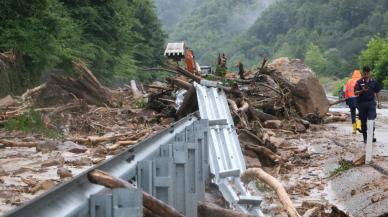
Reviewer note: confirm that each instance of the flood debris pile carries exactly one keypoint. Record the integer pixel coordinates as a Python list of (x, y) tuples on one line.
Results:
[(70, 124), (54, 131)]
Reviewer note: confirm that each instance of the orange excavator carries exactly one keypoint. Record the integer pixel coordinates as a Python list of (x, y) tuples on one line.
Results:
[(179, 51)]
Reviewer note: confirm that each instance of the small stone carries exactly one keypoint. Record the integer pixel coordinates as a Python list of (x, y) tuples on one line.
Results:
[(273, 124), (79, 161), (71, 147), (376, 198), (43, 185), (252, 162), (276, 141), (353, 192), (166, 121), (99, 151), (64, 173), (46, 147)]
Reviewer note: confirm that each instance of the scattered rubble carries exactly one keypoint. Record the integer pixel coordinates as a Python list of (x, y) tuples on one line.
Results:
[(271, 107)]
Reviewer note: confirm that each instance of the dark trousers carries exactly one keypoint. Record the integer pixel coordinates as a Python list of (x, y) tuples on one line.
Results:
[(366, 111), (352, 103)]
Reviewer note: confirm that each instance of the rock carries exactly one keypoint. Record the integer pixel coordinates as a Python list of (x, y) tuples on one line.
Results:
[(252, 162), (278, 142), (376, 198), (7, 102), (71, 147), (166, 121), (79, 161), (43, 185), (52, 162), (98, 160), (307, 93), (64, 173), (273, 124), (299, 128), (359, 160), (353, 192), (99, 151), (46, 147)]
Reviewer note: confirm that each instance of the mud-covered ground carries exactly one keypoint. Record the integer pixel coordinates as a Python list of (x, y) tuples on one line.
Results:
[(326, 176)]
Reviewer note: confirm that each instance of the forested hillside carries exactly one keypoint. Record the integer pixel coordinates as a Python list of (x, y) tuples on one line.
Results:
[(328, 34), (112, 37), (209, 27)]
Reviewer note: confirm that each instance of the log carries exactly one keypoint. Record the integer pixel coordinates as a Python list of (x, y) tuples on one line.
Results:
[(63, 89), (244, 107), (179, 83), (151, 203), (92, 140), (9, 143), (206, 209), (135, 91), (262, 116), (189, 104), (121, 143), (264, 152), (184, 72), (312, 212), (148, 213), (260, 175)]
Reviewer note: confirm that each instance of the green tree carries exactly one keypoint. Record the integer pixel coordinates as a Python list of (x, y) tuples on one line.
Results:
[(315, 59), (376, 56)]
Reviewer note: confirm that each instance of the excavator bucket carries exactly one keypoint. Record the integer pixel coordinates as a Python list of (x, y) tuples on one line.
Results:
[(175, 51)]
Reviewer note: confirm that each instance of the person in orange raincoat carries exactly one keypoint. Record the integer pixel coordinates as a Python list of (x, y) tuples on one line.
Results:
[(351, 98)]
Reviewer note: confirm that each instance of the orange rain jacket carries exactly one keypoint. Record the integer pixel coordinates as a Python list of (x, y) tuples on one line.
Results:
[(349, 87)]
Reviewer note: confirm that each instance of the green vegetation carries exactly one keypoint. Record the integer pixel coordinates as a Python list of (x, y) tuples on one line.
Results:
[(328, 35), (376, 56), (31, 122), (343, 166), (262, 187), (114, 37)]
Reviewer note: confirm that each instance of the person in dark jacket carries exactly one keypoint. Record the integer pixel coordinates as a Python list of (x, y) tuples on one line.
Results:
[(367, 90)]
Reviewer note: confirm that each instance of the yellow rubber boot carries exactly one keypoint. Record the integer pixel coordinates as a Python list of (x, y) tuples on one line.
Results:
[(354, 130), (358, 125)]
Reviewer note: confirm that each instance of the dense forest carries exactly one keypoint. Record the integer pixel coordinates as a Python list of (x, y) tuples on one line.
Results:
[(329, 35), (113, 37)]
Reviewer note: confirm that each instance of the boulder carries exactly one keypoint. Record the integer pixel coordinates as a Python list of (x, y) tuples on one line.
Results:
[(273, 124), (7, 101), (307, 93), (71, 147)]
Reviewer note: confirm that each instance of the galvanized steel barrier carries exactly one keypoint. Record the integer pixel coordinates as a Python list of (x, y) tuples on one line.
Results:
[(225, 156), (79, 198)]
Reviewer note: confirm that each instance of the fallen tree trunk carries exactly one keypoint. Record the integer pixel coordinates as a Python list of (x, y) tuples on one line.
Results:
[(260, 175), (121, 143), (92, 140), (179, 83), (151, 203), (264, 152), (189, 104), (61, 89), (207, 209), (9, 143)]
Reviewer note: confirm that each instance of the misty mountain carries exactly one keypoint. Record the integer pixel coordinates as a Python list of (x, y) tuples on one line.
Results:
[(208, 25)]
